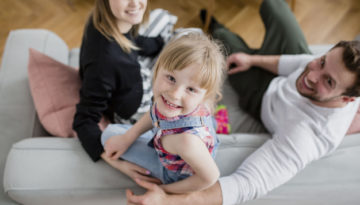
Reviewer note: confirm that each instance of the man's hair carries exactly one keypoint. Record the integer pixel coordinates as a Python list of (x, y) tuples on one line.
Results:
[(351, 59), (105, 22), (196, 48)]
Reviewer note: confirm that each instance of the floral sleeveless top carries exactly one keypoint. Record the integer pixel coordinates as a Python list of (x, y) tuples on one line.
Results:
[(175, 162)]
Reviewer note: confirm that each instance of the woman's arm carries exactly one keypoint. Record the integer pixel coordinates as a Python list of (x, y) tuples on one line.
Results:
[(95, 94), (98, 83), (194, 152), (116, 145)]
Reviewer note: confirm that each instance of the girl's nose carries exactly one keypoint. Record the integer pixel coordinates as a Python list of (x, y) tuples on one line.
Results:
[(176, 93)]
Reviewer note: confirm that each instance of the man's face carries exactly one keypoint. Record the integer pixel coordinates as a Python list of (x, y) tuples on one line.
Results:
[(325, 79)]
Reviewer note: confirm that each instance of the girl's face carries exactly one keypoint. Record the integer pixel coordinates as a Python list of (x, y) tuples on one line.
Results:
[(179, 92), (128, 12)]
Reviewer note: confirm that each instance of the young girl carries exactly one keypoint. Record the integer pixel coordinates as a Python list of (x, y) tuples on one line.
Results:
[(112, 85), (186, 85)]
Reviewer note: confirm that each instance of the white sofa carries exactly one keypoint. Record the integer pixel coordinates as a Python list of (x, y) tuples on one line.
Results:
[(48, 170)]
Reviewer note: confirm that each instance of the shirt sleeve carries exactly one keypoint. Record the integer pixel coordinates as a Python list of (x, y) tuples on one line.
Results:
[(290, 63), (95, 94), (274, 163)]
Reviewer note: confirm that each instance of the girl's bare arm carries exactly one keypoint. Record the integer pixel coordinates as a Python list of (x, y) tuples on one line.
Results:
[(194, 152)]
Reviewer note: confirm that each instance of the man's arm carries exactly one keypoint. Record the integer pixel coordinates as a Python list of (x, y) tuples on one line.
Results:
[(156, 196), (239, 62), (274, 163)]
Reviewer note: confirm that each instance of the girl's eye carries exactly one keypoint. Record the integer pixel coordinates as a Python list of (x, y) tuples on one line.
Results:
[(170, 78), (193, 90)]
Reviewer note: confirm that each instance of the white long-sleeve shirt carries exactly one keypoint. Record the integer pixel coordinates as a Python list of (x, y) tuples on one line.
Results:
[(301, 132)]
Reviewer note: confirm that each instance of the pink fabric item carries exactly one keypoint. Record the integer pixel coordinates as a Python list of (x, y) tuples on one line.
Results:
[(55, 90), (222, 120), (355, 125)]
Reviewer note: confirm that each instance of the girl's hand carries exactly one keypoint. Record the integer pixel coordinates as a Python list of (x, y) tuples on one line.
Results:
[(131, 170), (238, 62), (117, 145)]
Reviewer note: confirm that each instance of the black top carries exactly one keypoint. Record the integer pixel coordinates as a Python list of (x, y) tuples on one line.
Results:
[(111, 82)]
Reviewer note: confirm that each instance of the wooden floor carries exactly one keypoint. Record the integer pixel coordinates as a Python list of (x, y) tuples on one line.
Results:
[(323, 21)]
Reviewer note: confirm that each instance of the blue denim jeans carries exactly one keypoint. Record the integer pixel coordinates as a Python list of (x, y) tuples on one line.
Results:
[(142, 154)]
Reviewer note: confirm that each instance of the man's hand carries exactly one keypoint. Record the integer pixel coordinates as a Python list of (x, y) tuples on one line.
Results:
[(154, 195), (238, 62), (132, 170)]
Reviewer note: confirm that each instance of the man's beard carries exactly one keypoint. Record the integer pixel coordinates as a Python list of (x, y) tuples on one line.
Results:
[(313, 96), (317, 99)]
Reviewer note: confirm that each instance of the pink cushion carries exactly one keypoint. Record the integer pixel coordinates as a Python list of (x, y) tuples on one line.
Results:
[(55, 90)]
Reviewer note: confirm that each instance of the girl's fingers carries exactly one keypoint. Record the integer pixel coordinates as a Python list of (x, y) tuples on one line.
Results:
[(140, 170), (149, 179)]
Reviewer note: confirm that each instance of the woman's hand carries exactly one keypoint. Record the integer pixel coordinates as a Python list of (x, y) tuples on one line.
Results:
[(132, 170), (238, 62), (117, 145)]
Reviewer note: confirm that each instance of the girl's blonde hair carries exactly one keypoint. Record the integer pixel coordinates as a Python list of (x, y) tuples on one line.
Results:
[(196, 48), (105, 22)]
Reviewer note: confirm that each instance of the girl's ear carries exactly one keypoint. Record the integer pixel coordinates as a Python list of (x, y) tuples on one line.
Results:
[(348, 99)]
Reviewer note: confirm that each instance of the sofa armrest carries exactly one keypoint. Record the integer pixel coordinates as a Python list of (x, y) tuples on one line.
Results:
[(17, 112), (18, 119), (51, 170)]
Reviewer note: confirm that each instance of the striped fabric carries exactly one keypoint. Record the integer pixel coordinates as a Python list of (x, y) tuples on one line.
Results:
[(161, 23)]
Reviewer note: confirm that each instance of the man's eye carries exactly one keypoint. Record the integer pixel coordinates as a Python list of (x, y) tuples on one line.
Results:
[(329, 81), (322, 62)]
